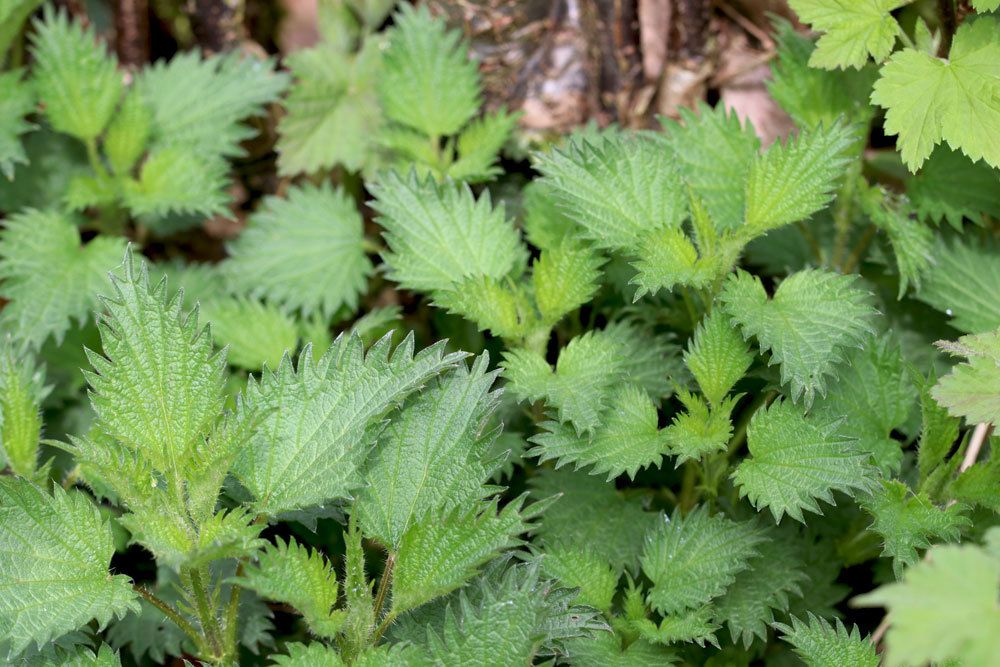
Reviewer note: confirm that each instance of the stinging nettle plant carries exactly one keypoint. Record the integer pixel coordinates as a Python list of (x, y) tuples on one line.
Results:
[(702, 400)]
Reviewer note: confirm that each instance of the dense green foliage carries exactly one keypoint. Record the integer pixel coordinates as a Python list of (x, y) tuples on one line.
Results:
[(675, 397)]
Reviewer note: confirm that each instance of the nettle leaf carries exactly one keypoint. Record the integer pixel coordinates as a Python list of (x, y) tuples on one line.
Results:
[(791, 181), (126, 138), (332, 112), (22, 390), (972, 388), (178, 180), (255, 334), (507, 619), (814, 96), (545, 223), (439, 234), (579, 386), (581, 568), (54, 557), (822, 644), (157, 385), (590, 514), (944, 608), (439, 554), (986, 5), (300, 577), (952, 187), (627, 439), (50, 279), (873, 396), (938, 432), (500, 307), (699, 430), (565, 277), (617, 190), (692, 626), (808, 325), (714, 151), (961, 283), (76, 79), (693, 559), (774, 576), (303, 252), (796, 460), (912, 241), (13, 14), (929, 100), (315, 654), (198, 102), (479, 145), (433, 457), (326, 417), (17, 100), (908, 522), (427, 81), (853, 30), (717, 356), (75, 656)]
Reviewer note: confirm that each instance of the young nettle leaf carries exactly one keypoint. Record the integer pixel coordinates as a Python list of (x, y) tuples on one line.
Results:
[(811, 321), (332, 113), (125, 140), (714, 151), (796, 460), (822, 644), (54, 556), (344, 396), (579, 387), (693, 559), (972, 388), (21, 393), (692, 626), (619, 190), (700, 430), (791, 181), (929, 100), (627, 439), (960, 282), (17, 99), (908, 522), (303, 252), (853, 31), (433, 457), (912, 241), (77, 80), (427, 81), (945, 607), (478, 146), (176, 180), (717, 357), (565, 277), (295, 575), (13, 15), (198, 102), (50, 279), (439, 234)]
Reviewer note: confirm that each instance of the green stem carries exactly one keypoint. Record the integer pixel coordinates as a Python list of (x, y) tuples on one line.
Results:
[(691, 310), (206, 616), (383, 585), (169, 612), (233, 611), (95, 159), (852, 262), (842, 212), (371, 246), (688, 495)]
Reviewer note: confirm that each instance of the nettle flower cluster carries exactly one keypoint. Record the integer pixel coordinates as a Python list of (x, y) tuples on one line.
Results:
[(691, 410)]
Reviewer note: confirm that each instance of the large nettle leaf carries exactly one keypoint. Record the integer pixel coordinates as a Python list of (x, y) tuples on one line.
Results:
[(54, 556)]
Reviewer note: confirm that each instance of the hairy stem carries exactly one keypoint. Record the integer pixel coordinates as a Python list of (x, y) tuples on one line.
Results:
[(383, 584), (206, 615), (843, 210), (233, 611), (854, 259), (169, 612)]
